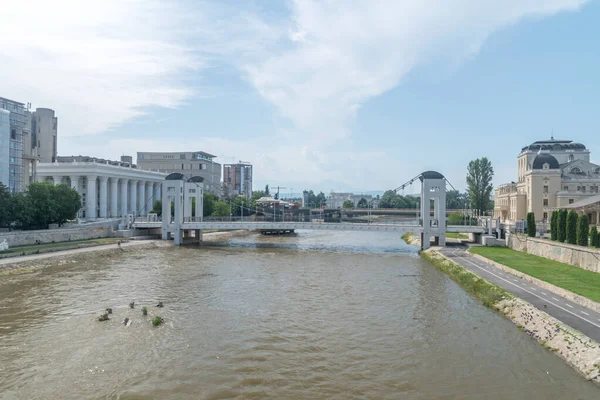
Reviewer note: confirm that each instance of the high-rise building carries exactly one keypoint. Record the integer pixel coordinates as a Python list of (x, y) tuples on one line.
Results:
[(4, 146), (237, 179), (196, 163), (15, 151), (44, 132)]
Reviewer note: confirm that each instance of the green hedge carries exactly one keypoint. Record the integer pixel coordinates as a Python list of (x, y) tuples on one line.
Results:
[(554, 225), (572, 227), (583, 230), (531, 224), (562, 226)]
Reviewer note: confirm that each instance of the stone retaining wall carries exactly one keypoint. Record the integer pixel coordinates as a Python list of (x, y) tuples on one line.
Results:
[(22, 238), (579, 256)]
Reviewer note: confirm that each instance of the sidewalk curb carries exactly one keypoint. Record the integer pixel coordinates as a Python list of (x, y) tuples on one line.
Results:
[(575, 298)]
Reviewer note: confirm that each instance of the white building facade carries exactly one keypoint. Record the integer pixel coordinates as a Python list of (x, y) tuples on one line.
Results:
[(109, 189), (336, 200)]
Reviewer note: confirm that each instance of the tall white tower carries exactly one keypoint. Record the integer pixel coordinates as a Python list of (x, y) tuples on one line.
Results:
[(433, 208)]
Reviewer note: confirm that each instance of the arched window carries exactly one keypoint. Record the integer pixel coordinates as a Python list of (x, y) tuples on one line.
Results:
[(575, 170), (597, 170), (571, 157)]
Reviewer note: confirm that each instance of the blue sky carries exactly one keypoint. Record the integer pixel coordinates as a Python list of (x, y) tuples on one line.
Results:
[(343, 95)]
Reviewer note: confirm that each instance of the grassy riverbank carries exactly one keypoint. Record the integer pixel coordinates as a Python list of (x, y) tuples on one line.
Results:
[(456, 235), (577, 280), (488, 293)]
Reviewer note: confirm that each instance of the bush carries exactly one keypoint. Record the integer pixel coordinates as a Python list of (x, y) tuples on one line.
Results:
[(103, 316), (594, 238), (531, 224), (145, 310), (554, 225), (156, 321), (583, 230), (572, 227), (562, 226)]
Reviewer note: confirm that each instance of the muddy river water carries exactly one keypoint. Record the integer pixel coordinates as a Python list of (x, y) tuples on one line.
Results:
[(319, 315)]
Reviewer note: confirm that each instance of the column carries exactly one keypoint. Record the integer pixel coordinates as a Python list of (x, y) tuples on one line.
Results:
[(124, 196), (75, 182), (114, 193), (142, 203), (90, 197), (103, 196), (149, 197), (133, 197), (57, 180)]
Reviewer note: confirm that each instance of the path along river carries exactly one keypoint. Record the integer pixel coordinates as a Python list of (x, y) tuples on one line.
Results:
[(320, 315)]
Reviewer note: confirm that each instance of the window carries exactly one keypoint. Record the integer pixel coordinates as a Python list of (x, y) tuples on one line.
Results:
[(571, 157), (575, 170), (545, 202), (545, 216), (594, 189), (571, 201), (583, 189), (546, 166), (141, 157), (182, 166), (182, 156), (566, 188), (545, 188), (13, 134)]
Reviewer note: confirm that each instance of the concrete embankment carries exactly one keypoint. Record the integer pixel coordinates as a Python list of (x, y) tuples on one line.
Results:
[(578, 350), (110, 250)]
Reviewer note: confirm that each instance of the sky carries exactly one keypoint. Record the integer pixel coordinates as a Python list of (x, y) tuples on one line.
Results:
[(341, 95)]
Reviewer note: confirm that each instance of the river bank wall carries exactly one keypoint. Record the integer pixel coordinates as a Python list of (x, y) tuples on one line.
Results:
[(577, 350)]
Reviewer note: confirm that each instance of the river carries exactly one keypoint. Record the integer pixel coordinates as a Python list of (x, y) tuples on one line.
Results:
[(320, 315)]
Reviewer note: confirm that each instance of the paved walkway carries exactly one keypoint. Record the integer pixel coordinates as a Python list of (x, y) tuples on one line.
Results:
[(13, 260), (572, 314)]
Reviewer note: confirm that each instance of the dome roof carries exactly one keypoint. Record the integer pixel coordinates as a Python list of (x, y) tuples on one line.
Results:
[(431, 175), (196, 179), (175, 176), (554, 145), (541, 159)]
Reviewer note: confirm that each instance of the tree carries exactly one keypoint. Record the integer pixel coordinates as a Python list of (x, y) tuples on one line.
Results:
[(21, 210), (362, 203), (554, 225), (157, 207), (572, 227), (5, 206), (479, 183), (583, 230), (347, 204), (44, 210), (531, 224), (67, 202), (456, 200), (220, 209), (209, 200), (594, 238), (562, 226)]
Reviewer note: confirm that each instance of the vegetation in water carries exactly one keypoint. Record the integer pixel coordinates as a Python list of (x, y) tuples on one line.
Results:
[(103, 316), (156, 321), (145, 310)]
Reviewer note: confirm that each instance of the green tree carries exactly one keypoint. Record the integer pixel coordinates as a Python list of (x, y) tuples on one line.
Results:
[(208, 205), (456, 200), (583, 230), (562, 226), (594, 238), (572, 227), (67, 202), (42, 203), (531, 224), (479, 183), (21, 210), (362, 203), (157, 207), (347, 204), (554, 225), (5, 206), (220, 209)]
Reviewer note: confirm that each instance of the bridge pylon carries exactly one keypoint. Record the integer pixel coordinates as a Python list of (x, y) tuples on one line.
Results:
[(433, 209)]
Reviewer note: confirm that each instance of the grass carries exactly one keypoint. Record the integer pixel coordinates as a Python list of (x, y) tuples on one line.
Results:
[(407, 236), (156, 321), (577, 280), (488, 293), (456, 235)]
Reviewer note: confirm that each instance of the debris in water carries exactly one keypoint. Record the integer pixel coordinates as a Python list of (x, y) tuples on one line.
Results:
[(103, 316), (160, 304), (109, 310), (132, 304), (145, 310)]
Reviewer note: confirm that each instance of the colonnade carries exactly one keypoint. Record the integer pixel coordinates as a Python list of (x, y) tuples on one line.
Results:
[(113, 197)]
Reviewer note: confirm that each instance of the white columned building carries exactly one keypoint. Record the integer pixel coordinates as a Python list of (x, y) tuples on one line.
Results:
[(109, 189)]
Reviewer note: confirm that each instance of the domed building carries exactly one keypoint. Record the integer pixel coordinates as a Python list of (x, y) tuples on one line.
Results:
[(551, 174)]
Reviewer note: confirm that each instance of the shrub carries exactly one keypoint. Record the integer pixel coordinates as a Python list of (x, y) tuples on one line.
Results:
[(572, 227), (594, 238), (103, 316), (554, 225), (562, 226), (156, 321), (531, 224), (583, 230), (145, 310)]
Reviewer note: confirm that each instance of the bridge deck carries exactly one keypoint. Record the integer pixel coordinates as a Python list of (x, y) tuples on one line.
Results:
[(223, 225)]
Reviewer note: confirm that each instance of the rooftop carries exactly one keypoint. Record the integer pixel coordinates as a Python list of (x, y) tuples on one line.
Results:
[(88, 159), (553, 144)]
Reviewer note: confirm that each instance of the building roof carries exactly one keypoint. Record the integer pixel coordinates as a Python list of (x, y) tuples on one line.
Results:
[(584, 202), (554, 145), (431, 175), (541, 159)]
